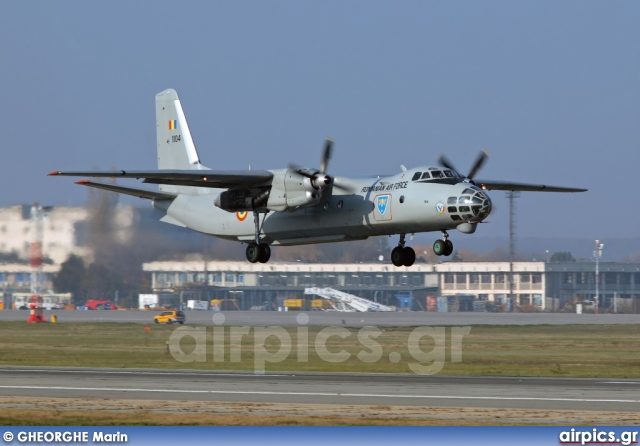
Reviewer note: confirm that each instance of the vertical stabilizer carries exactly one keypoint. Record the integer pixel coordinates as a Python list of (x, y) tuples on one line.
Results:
[(176, 149)]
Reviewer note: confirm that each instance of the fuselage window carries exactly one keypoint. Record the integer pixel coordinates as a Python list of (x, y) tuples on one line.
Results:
[(416, 176)]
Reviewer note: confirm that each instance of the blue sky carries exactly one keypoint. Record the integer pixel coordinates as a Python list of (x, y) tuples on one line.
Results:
[(550, 89)]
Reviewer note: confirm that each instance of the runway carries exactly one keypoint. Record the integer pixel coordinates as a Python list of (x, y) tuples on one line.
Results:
[(322, 318), (600, 395)]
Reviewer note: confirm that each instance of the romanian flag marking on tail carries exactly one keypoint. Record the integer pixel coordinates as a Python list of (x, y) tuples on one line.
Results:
[(172, 124)]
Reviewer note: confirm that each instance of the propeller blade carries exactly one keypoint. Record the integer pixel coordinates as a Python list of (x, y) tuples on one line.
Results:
[(326, 156), (480, 160), (444, 162)]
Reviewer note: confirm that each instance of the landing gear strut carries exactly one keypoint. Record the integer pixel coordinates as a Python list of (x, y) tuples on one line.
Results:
[(403, 255), (443, 247), (256, 251)]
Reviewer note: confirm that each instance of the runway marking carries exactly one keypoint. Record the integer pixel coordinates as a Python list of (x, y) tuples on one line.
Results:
[(368, 395), (124, 372)]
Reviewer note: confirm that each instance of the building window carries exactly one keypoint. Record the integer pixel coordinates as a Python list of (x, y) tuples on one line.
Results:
[(537, 300), (240, 278), (610, 278), (525, 277), (217, 278), (461, 278), (500, 278), (230, 277), (449, 278), (473, 278), (536, 278), (567, 278), (486, 278)]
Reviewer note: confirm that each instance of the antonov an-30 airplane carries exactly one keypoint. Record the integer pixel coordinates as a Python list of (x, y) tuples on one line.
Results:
[(300, 205)]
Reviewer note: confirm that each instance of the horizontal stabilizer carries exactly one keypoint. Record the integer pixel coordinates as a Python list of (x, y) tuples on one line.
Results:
[(140, 193)]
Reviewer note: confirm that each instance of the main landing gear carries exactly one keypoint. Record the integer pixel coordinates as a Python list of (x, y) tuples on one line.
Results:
[(256, 251), (403, 255), (443, 247)]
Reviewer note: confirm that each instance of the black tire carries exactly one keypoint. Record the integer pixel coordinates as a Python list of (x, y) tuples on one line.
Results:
[(156, 321), (409, 256), (397, 256), (253, 252), (181, 322), (265, 253), (439, 247), (449, 250)]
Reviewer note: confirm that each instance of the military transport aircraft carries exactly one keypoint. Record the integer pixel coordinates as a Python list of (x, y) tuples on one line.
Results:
[(300, 205)]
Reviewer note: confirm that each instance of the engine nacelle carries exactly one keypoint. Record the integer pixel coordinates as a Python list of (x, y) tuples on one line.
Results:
[(238, 200), (290, 190)]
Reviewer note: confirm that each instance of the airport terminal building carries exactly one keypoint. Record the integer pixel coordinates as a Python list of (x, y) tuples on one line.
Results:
[(533, 286), (521, 286)]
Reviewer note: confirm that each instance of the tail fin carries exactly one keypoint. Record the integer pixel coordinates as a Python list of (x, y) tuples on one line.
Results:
[(176, 149)]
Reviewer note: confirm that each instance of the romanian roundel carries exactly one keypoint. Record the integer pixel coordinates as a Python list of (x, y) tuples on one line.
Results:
[(241, 215)]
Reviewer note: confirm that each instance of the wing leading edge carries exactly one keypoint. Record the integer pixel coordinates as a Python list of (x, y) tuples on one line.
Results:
[(196, 178), (507, 185)]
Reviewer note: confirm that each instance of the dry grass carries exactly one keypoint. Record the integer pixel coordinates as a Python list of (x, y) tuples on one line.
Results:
[(110, 412), (537, 350)]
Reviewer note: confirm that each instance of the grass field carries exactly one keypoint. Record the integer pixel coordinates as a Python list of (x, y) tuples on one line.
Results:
[(536, 350)]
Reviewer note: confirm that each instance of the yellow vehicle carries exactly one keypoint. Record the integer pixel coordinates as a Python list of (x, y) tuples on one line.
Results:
[(169, 317)]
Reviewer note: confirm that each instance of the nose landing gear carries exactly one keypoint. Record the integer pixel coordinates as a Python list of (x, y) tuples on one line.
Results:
[(403, 255), (443, 247)]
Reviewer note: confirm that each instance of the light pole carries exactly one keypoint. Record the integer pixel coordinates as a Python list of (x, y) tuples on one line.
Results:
[(597, 254)]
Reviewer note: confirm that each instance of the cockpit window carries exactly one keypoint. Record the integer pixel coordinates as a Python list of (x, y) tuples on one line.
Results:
[(426, 176), (447, 173), (416, 176), (468, 191), (436, 173)]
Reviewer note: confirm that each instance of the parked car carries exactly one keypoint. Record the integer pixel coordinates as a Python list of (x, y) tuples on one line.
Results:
[(169, 317)]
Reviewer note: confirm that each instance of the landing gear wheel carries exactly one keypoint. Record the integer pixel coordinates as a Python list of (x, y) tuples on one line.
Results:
[(265, 253), (397, 256), (253, 252), (408, 256), (449, 250), (439, 247)]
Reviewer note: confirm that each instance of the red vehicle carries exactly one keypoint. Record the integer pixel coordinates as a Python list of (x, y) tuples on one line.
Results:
[(101, 305)]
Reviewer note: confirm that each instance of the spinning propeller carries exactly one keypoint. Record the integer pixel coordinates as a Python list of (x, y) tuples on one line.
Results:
[(480, 160), (318, 179)]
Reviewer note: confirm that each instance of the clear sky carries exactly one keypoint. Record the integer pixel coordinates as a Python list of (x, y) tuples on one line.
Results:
[(551, 89)]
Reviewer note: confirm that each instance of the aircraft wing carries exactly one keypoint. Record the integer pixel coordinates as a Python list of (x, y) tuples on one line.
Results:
[(507, 185), (141, 193), (196, 178)]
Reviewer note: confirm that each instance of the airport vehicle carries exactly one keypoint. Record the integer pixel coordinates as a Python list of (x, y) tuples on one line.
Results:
[(301, 205), (170, 317), (100, 305)]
